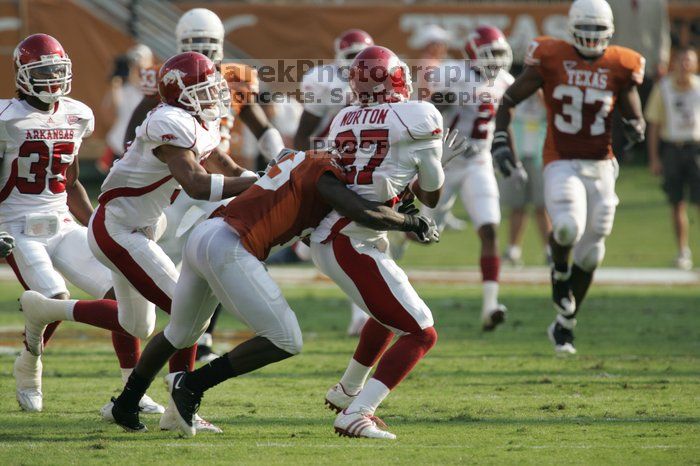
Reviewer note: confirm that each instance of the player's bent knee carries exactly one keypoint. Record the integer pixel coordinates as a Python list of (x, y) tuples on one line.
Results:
[(566, 231), (428, 337), (592, 257), (139, 329)]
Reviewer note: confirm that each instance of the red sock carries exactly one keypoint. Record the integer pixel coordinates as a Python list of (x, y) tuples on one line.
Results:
[(100, 313), (127, 349), (490, 266), (402, 357), (50, 329), (183, 360), (374, 338)]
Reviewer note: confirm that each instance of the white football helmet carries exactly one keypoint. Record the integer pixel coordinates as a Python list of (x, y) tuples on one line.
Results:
[(200, 30), (591, 26)]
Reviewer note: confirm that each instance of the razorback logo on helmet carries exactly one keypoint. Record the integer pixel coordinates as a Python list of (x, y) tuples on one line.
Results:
[(168, 137), (173, 76)]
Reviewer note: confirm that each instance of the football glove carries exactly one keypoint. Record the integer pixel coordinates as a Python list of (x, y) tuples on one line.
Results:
[(407, 207), (454, 145), (7, 244), (634, 131), (425, 229)]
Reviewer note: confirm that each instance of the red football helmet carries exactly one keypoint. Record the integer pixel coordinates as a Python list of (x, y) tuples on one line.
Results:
[(350, 43), (488, 48), (42, 68), (190, 81), (377, 76)]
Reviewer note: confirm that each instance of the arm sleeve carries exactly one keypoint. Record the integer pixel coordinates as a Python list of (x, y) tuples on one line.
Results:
[(172, 130), (654, 111), (533, 55), (430, 173)]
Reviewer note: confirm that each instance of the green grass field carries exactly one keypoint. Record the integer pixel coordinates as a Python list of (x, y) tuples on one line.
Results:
[(630, 397)]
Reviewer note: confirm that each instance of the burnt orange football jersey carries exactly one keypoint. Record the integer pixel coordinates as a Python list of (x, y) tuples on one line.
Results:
[(580, 95), (243, 82), (282, 204)]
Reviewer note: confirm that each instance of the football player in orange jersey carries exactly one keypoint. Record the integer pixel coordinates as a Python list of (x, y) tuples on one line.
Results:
[(200, 30), (582, 82)]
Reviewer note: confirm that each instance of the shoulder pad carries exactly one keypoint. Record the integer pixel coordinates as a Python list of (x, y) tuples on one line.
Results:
[(170, 126), (77, 109), (421, 119)]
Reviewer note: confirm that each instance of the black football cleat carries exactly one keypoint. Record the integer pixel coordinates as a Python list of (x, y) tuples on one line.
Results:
[(562, 338), (184, 402), (127, 420)]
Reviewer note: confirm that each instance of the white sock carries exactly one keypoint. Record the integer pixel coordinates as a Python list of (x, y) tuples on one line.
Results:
[(357, 312), (67, 308), (369, 398), (126, 373), (515, 252), (490, 296), (354, 378)]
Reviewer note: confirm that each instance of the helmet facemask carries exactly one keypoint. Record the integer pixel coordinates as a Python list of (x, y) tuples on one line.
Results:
[(211, 47), (47, 79), (208, 100), (591, 37)]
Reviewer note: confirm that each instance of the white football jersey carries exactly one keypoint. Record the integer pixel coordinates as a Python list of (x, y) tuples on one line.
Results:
[(37, 148), (476, 117), (380, 147), (139, 186), (325, 93)]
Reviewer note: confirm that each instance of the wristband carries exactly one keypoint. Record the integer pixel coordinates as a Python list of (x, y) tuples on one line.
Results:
[(216, 189), (501, 137)]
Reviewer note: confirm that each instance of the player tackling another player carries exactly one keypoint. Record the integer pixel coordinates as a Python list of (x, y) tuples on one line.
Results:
[(582, 82)]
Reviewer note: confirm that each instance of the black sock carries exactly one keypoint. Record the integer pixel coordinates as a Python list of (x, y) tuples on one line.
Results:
[(246, 357), (134, 390), (580, 282), (209, 375)]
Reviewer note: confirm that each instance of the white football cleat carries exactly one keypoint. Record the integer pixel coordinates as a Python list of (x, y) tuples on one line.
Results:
[(27, 372), (31, 304), (492, 319), (168, 421), (360, 424), (337, 399), (148, 406)]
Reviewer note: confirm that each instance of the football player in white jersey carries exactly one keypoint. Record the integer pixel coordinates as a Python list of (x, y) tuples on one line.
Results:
[(175, 146), (388, 145), (473, 178), (329, 91), (201, 30), (41, 198)]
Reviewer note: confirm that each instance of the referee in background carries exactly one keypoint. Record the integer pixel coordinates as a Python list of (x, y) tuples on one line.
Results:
[(673, 116)]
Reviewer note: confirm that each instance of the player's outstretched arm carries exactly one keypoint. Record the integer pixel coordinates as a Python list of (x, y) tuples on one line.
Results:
[(77, 198), (194, 179), (147, 104), (220, 162), (308, 123), (372, 214)]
